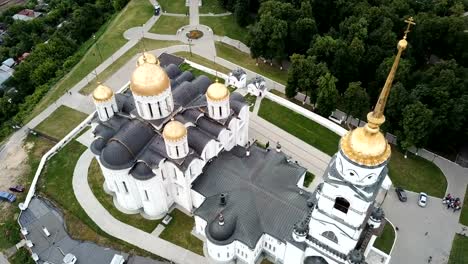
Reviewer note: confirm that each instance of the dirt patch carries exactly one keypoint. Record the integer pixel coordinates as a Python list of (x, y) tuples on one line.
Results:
[(5, 4), (13, 166)]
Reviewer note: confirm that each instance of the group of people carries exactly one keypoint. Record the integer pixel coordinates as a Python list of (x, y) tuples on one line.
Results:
[(452, 202)]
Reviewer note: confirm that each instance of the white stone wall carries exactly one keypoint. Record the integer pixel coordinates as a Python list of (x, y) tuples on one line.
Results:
[(274, 247), (200, 224), (106, 110), (218, 109), (293, 254), (124, 187), (357, 175), (153, 197), (232, 80), (154, 107), (221, 253), (197, 199), (177, 149)]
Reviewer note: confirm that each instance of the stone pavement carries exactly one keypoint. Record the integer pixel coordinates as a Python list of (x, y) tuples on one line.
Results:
[(120, 230), (194, 19), (3, 259)]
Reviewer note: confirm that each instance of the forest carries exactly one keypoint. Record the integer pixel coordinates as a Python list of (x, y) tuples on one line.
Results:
[(54, 42), (339, 54)]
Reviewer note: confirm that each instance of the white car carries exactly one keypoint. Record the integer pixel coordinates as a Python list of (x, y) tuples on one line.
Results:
[(69, 259), (422, 201)]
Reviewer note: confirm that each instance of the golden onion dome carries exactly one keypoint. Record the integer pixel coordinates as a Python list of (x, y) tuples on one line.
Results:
[(365, 147), (149, 80), (217, 92), (147, 58), (174, 131), (102, 93)]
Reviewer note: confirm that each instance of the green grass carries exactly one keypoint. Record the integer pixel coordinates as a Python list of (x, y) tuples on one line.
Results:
[(459, 252), (211, 6), (169, 24), (293, 100), (244, 60), (136, 13), (173, 6), (308, 179), (61, 122), (179, 232), (385, 241), (148, 44), (202, 61), (9, 230), (299, 126), (197, 72), (464, 211), (416, 174), (225, 26), (22, 256), (250, 100), (56, 184), (231, 88), (96, 181)]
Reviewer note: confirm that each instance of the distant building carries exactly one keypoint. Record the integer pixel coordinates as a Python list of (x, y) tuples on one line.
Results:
[(5, 74), (257, 86), (237, 78), (10, 62), (23, 56), (26, 15)]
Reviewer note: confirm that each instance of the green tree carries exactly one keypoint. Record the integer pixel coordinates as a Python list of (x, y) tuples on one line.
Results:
[(241, 12), (327, 94), (356, 100), (416, 125), (303, 75)]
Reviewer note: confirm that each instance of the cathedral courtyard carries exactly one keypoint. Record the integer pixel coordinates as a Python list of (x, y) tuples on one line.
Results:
[(79, 176)]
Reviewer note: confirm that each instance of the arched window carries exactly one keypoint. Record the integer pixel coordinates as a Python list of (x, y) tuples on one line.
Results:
[(330, 235), (341, 204)]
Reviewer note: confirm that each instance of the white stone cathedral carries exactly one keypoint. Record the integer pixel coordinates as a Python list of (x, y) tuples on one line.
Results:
[(175, 139)]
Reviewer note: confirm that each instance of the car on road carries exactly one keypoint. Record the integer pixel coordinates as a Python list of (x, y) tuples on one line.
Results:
[(69, 259), (401, 194), (6, 196), (422, 201), (17, 188)]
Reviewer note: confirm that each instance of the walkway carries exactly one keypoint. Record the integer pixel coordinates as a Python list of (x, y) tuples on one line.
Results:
[(120, 230)]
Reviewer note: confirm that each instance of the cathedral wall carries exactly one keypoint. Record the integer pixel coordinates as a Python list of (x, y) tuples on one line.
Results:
[(106, 110), (194, 170), (243, 127), (197, 199), (223, 138), (355, 174), (153, 197), (313, 252), (245, 253), (293, 255), (109, 183), (221, 253), (231, 80), (200, 225), (154, 107), (210, 150), (273, 247)]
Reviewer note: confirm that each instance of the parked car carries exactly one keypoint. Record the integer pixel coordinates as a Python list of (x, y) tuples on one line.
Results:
[(6, 196), (69, 259), (422, 201), (17, 188), (401, 194)]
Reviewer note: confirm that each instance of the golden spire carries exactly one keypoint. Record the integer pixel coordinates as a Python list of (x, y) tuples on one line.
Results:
[(367, 145), (376, 117)]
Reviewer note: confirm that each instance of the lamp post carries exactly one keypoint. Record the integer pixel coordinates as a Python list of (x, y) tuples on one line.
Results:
[(190, 45)]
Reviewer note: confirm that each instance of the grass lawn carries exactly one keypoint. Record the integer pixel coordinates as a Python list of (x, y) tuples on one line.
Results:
[(56, 184), (231, 88), (61, 122), (293, 100), (299, 126), (464, 212), (96, 181), (244, 60), (250, 100), (416, 174), (202, 61), (174, 6), (459, 252), (211, 6), (148, 44), (225, 26), (385, 241), (9, 230), (22, 256), (179, 232), (136, 13), (197, 72), (169, 24), (309, 178)]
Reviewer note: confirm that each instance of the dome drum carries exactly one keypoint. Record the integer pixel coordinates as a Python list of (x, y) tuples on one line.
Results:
[(149, 80), (105, 103), (217, 97), (176, 140)]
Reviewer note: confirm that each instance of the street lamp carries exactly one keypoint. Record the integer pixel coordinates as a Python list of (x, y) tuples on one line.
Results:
[(189, 40)]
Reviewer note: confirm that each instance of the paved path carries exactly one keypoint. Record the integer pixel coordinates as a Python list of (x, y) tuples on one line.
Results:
[(120, 230), (3, 259), (193, 9)]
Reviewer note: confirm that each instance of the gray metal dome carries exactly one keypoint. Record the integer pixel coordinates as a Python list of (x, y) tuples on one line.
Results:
[(377, 213), (315, 260), (301, 227), (116, 156), (356, 256), (97, 146), (222, 232), (142, 172)]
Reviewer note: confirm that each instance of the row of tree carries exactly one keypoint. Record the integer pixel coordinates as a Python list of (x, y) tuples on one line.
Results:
[(340, 53), (53, 42)]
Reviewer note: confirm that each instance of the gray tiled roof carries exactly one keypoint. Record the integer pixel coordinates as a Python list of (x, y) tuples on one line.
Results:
[(172, 71), (197, 139), (192, 115), (185, 93), (186, 76), (209, 126), (256, 187), (238, 73), (315, 260), (167, 59)]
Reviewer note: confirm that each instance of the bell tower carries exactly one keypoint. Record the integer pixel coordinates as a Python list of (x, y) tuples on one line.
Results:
[(353, 178)]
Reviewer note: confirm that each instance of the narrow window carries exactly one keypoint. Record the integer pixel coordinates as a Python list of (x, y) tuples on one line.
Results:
[(177, 190), (269, 246), (167, 193), (162, 175), (150, 109), (116, 186), (341, 204), (190, 171), (218, 255), (274, 249), (167, 104), (330, 235), (146, 194), (266, 244), (212, 110), (107, 113), (175, 174), (125, 187), (159, 108), (228, 254), (177, 150), (220, 111)]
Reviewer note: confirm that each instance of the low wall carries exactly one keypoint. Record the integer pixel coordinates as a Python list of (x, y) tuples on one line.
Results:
[(311, 115)]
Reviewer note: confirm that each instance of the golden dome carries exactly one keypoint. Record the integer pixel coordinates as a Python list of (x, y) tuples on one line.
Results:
[(365, 147), (147, 58), (149, 80), (102, 93), (217, 92), (174, 131)]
